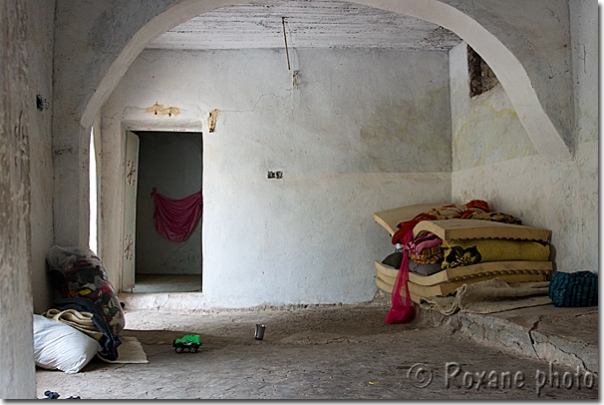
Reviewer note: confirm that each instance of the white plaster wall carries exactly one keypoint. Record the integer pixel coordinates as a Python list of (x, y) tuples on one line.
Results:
[(40, 44), (563, 196), (171, 162), (584, 43), (366, 130)]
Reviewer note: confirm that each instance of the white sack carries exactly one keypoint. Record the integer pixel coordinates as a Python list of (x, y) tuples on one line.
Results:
[(60, 346)]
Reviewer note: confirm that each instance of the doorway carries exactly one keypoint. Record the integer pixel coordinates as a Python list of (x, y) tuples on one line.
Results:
[(171, 163)]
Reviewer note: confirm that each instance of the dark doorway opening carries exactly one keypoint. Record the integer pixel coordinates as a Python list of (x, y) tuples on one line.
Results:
[(172, 163)]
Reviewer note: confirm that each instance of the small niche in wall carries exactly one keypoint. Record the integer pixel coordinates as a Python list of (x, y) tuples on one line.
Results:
[(482, 78)]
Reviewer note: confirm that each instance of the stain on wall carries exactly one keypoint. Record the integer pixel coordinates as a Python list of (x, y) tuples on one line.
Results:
[(408, 134), (486, 128), (160, 110), (213, 119)]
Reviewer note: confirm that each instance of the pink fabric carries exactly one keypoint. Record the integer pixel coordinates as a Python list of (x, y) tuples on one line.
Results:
[(175, 220), (423, 241), (401, 311)]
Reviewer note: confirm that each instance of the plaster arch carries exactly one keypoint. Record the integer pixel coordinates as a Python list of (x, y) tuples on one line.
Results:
[(527, 43), (547, 122)]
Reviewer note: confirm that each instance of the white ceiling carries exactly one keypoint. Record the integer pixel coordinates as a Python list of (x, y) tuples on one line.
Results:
[(308, 24)]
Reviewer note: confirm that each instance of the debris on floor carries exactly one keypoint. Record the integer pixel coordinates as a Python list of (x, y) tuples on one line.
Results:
[(259, 334), (56, 395), (51, 395)]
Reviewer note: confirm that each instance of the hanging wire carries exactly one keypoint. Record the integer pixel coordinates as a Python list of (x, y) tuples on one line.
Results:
[(285, 39)]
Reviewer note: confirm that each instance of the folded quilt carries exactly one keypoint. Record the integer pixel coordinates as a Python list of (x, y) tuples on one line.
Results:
[(423, 240), (495, 216), (459, 210), (430, 255), (458, 253), (82, 321), (445, 212), (475, 209)]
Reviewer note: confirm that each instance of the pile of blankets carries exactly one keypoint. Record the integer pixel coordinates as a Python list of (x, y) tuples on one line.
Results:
[(79, 277), (426, 254), (429, 254)]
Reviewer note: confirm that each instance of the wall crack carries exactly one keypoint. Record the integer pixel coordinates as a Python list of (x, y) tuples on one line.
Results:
[(256, 103)]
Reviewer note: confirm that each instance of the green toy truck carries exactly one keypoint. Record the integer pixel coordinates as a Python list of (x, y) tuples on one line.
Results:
[(190, 342)]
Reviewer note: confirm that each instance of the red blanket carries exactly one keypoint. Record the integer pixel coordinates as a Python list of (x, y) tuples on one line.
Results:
[(175, 220)]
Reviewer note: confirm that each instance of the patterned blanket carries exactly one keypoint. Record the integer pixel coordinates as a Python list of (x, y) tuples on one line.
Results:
[(466, 252)]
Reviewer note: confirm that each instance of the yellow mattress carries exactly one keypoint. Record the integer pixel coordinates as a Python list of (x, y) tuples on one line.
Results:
[(494, 269), (382, 285), (448, 229)]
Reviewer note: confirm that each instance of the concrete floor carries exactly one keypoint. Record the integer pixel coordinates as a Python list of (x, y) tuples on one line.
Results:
[(315, 352), (164, 283)]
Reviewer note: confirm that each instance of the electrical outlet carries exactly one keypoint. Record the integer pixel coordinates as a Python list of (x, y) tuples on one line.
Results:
[(275, 175)]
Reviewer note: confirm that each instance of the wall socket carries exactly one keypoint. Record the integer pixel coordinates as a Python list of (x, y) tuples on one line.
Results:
[(275, 175)]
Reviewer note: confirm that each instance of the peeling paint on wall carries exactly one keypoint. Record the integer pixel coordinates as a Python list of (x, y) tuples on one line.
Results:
[(411, 134), (160, 110), (212, 119)]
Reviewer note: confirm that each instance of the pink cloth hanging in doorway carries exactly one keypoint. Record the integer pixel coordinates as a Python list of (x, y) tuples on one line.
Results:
[(175, 220)]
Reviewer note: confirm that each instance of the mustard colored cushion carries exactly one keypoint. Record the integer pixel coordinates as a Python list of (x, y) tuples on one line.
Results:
[(465, 252)]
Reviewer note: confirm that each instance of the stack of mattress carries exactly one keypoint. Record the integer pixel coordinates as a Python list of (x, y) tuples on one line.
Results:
[(473, 250)]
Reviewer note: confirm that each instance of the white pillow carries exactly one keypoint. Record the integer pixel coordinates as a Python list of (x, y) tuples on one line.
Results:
[(60, 346)]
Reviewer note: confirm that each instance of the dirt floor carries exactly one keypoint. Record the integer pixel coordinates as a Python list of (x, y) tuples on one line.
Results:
[(314, 352)]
